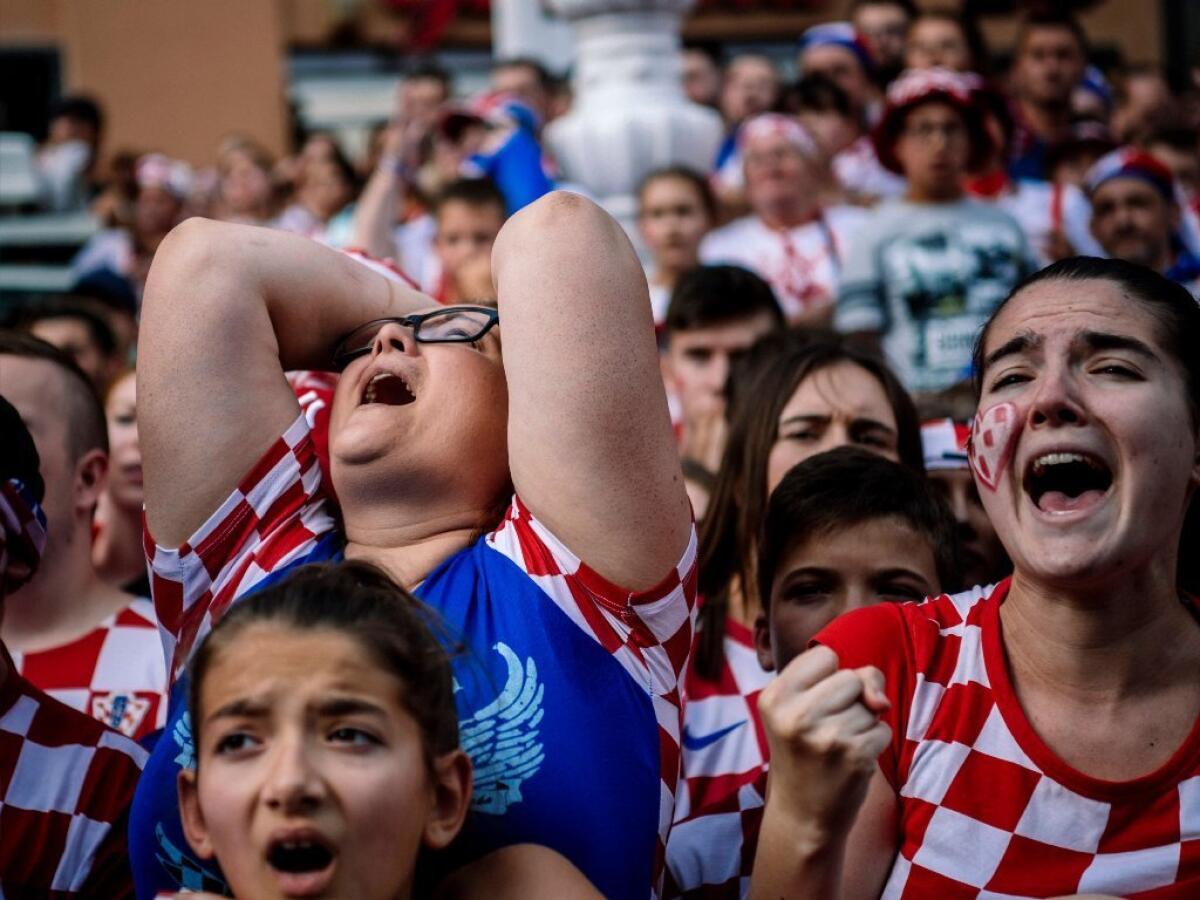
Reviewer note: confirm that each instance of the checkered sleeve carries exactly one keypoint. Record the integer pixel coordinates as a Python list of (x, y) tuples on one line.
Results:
[(878, 636), (710, 854), (275, 516), (111, 875), (66, 783), (648, 632)]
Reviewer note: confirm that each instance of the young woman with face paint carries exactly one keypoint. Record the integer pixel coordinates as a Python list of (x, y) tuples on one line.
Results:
[(1044, 734)]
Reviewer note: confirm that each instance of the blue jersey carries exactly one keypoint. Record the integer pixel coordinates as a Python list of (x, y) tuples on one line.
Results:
[(567, 689)]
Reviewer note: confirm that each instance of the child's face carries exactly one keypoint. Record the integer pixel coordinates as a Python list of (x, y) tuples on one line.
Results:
[(933, 148), (828, 574), (673, 221), (466, 231), (311, 780)]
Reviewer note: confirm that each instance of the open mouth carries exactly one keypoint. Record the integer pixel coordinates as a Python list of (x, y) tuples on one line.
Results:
[(1066, 481), (300, 856), (303, 863), (388, 389)]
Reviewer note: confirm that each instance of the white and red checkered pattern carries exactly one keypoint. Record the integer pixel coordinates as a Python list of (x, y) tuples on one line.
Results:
[(65, 780), (278, 514), (274, 516), (715, 767), (986, 808), (114, 673), (710, 854), (769, 125), (649, 633), (993, 436)]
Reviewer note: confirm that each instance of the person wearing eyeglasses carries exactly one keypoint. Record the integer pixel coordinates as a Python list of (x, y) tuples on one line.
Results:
[(926, 270), (514, 468)]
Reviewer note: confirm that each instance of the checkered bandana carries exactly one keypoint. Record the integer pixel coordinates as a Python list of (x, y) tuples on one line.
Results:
[(776, 125)]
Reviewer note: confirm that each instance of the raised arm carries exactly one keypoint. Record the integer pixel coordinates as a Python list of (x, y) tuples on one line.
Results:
[(590, 443), (824, 731), (228, 308), (375, 212)]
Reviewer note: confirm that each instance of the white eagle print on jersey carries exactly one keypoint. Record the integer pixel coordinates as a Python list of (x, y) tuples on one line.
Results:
[(502, 738)]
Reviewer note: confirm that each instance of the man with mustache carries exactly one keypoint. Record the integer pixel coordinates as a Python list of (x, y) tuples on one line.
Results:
[(1135, 215)]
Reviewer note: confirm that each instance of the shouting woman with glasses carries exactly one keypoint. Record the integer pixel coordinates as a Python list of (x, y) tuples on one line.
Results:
[(532, 498)]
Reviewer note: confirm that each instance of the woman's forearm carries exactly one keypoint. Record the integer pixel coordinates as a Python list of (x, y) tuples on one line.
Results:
[(796, 861), (312, 294)]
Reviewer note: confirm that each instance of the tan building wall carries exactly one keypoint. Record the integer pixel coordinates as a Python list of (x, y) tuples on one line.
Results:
[(172, 75), (176, 75)]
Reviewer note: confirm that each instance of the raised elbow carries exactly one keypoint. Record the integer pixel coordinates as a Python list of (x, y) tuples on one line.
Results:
[(188, 256)]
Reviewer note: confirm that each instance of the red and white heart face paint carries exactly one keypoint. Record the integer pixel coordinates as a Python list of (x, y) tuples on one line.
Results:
[(993, 437)]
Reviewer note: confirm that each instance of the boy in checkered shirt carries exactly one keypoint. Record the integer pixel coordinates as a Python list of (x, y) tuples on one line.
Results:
[(66, 781), (86, 643), (811, 568)]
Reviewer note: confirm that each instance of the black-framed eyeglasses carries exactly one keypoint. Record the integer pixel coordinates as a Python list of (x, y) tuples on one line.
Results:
[(452, 325)]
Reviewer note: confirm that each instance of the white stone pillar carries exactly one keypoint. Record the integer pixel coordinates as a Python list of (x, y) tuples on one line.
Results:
[(522, 28), (629, 115)]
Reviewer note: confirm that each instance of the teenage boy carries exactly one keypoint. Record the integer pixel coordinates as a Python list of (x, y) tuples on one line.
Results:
[(811, 569), (787, 239), (925, 272), (468, 213), (450, 260), (716, 313), (1136, 217)]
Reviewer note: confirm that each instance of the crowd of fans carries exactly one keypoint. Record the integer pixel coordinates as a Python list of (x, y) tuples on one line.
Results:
[(837, 541)]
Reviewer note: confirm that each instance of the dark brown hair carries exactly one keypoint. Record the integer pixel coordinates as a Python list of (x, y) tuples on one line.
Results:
[(759, 390), (848, 486), (359, 600)]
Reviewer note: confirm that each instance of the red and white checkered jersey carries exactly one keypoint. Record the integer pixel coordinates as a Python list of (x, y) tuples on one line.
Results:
[(802, 264), (278, 515), (275, 515), (986, 808), (115, 673), (724, 745), (710, 854), (66, 782)]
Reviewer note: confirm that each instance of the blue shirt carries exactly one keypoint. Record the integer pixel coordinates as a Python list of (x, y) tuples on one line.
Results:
[(560, 721)]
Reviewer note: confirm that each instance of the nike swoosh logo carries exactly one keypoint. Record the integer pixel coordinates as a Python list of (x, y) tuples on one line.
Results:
[(699, 742)]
